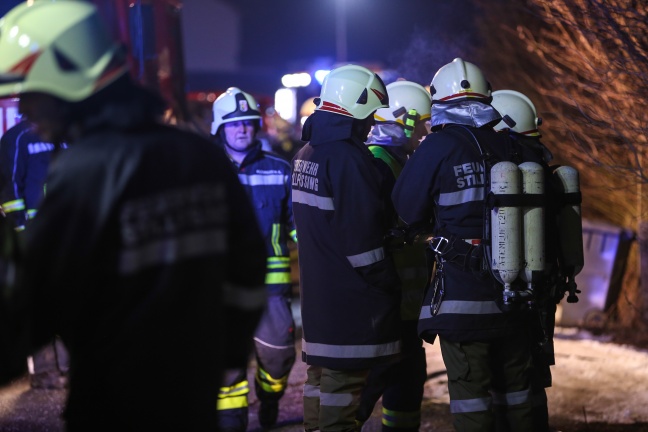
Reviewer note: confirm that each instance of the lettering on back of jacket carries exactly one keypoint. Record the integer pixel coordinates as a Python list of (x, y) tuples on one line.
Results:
[(469, 174), (305, 175)]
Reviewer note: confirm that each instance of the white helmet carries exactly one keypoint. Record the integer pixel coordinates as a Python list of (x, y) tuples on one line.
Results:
[(234, 105), (58, 48), (408, 102), (518, 112), (459, 81), (352, 91)]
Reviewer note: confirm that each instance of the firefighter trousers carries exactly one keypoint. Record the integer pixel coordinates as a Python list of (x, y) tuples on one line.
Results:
[(331, 399), (400, 385), (490, 385), (274, 346)]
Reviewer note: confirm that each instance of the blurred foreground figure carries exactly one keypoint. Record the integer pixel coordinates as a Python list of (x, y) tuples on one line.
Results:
[(144, 252)]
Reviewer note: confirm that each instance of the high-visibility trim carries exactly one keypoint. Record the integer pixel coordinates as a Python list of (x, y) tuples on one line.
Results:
[(172, 250), (269, 384), (339, 399), (235, 402), (462, 197), (401, 419), (367, 258), (322, 203), (269, 345), (263, 179), (276, 262), (14, 205), (293, 235), (511, 398), (31, 213), (275, 237), (311, 391), (245, 298), (239, 389), (462, 307), (470, 405), (350, 351), (19, 228), (278, 278)]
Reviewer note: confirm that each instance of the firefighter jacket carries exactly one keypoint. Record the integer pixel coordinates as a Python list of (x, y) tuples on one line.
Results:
[(349, 285), (443, 181), (146, 259), (266, 179), (24, 158)]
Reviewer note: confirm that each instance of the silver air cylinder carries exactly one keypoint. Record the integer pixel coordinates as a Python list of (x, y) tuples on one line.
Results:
[(505, 227), (570, 226), (533, 237)]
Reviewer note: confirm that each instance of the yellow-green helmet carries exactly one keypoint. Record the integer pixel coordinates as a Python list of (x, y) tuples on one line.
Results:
[(60, 48)]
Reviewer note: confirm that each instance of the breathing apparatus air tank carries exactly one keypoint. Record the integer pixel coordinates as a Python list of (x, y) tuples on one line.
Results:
[(533, 237), (505, 228), (570, 229)]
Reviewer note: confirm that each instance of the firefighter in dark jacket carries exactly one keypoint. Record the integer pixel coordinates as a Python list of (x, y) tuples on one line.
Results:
[(520, 120), (393, 139), (486, 347), (24, 158), (266, 179), (144, 255), (349, 285)]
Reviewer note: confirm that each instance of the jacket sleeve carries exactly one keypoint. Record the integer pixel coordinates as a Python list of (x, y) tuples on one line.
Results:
[(13, 160), (244, 290)]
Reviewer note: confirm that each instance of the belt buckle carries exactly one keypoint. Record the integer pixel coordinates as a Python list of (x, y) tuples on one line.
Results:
[(437, 248)]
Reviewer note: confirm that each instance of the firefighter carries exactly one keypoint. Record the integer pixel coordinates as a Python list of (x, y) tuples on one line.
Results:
[(349, 285), (266, 179), (24, 158), (144, 255), (486, 347), (393, 139), (521, 122)]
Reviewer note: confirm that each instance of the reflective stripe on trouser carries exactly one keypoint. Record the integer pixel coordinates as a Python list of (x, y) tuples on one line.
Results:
[(483, 373), (400, 384), (331, 399), (274, 344), (232, 404)]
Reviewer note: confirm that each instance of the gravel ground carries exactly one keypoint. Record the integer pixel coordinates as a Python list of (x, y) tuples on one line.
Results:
[(598, 387)]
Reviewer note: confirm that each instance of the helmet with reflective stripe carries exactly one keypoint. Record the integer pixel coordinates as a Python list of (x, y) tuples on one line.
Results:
[(458, 81), (352, 91), (518, 112), (234, 105), (58, 48), (405, 96)]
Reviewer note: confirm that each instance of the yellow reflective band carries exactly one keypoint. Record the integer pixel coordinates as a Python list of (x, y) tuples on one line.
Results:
[(12, 206), (269, 384), (238, 389), (401, 419), (31, 213), (278, 262), (278, 278), (276, 230), (231, 403), (293, 235)]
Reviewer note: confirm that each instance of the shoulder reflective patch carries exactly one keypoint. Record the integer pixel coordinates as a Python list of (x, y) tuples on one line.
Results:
[(245, 298), (461, 197), (262, 179), (322, 203), (172, 250), (366, 258), (462, 307), (351, 351)]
